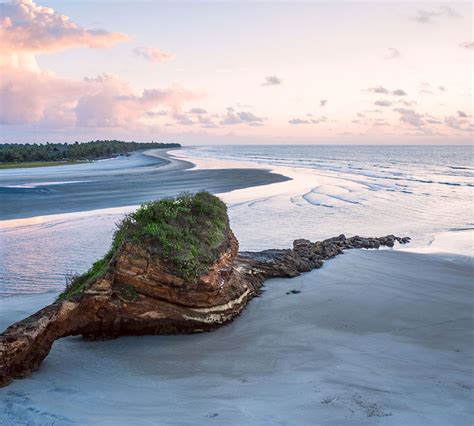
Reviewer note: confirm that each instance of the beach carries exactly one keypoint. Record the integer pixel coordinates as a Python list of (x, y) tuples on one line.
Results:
[(374, 337)]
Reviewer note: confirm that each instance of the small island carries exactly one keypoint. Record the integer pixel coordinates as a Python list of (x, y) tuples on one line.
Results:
[(56, 154), (173, 268)]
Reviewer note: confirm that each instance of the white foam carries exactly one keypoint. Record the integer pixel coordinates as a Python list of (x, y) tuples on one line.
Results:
[(40, 184), (452, 242)]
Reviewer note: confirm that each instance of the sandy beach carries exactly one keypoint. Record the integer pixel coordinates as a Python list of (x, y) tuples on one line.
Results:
[(236, 212), (373, 338)]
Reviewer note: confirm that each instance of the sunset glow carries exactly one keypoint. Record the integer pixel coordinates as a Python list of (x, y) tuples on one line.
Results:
[(294, 72)]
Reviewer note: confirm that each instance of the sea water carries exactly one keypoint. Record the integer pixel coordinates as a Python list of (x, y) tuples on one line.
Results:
[(418, 191)]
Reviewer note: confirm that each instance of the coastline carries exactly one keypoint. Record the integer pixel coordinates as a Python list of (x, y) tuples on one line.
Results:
[(385, 345), (32, 164), (375, 336), (262, 216), (129, 182), (448, 240)]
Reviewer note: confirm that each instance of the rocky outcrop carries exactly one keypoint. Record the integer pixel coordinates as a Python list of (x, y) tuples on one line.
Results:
[(137, 295)]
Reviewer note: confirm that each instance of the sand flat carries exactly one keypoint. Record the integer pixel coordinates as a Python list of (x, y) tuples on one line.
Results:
[(374, 337), (116, 182)]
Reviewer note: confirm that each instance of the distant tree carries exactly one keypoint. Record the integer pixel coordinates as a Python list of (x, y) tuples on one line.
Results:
[(19, 153)]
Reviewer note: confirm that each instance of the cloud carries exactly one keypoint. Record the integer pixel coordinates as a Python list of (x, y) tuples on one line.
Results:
[(442, 88), (296, 121), (203, 120), (425, 88), (30, 97), (450, 12), (399, 92), (378, 89), (392, 53), (467, 45), (197, 111), (156, 113), (105, 101), (299, 121), (207, 122), (384, 91), (411, 117), (407, 103), (462, 124), (28, 27), (110, 102), (240, 117), (153, 54), (183, 119), (426, 16), (272, 80), (382, 103), (420, 121), (323, 102), (433, 121)]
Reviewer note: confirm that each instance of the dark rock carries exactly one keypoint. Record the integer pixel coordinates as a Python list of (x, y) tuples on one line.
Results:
[(139, 296)]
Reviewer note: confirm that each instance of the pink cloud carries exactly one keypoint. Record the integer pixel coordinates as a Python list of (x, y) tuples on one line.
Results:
[(105, 101), (112, 103), (153, 54), (29, 27), (32, 96)]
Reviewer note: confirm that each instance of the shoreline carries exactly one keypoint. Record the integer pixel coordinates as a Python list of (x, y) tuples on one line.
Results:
[(33, 164), (129, 182), (443, 240), (254, 214), (319, 345), (372, 336)]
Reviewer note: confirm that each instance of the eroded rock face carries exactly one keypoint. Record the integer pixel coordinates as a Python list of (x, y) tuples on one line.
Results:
[(138, 296)]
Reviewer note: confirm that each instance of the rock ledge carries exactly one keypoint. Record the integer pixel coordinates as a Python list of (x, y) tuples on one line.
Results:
[(137, 296)]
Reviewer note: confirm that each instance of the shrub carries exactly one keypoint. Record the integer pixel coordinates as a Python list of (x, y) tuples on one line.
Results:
[(187, 232)]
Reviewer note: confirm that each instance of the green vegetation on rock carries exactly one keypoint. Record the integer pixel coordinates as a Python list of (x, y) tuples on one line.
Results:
[(187, 232), (78, 282)]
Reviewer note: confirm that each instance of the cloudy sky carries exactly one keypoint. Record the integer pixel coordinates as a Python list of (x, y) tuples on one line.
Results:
[(236, 71)]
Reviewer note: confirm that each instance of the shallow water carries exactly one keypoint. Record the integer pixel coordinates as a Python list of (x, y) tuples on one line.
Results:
[(374, 336), (352, 190), (367, 190), (58, 220)]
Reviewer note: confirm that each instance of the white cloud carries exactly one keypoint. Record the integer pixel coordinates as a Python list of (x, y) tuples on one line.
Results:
[(240, 117), (153, 54), (272, 80)]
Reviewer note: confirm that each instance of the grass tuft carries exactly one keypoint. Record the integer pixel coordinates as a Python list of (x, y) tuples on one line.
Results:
[(188, 233)]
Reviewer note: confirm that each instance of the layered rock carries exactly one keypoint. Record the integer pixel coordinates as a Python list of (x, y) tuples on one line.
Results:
[(138, 295)]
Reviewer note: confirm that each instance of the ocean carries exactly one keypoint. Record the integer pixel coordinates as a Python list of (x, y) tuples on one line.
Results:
[(419, 191), (416, 191)]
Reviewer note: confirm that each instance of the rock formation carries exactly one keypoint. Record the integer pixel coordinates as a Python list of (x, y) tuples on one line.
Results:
[(137, 294)]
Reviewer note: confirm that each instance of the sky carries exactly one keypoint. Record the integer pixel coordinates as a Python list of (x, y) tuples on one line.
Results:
[(322, 72)]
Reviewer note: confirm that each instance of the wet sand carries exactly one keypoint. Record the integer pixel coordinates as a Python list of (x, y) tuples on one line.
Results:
[(374, 337), (118, 182)]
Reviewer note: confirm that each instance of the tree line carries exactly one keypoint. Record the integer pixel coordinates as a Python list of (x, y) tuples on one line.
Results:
[(20, 153)]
